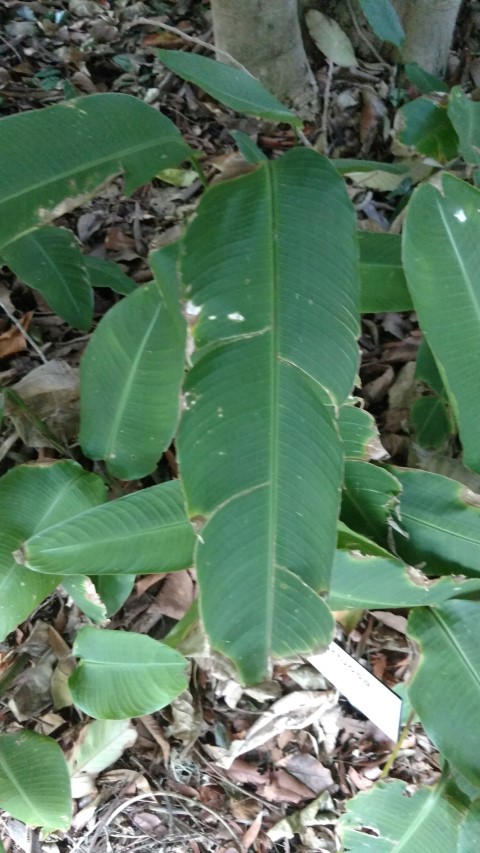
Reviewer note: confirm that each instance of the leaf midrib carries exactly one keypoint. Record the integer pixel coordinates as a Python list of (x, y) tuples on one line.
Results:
[(274, 408)]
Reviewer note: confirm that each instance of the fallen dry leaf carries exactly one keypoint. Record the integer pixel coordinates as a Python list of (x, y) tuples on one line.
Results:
[(241, 771), (13, 340), (358, 780), (391, 620), (309, 770), (146, 582), (283, 788), (294, 711), (51, 392), (250, 836), (156, 732), (176, 595)]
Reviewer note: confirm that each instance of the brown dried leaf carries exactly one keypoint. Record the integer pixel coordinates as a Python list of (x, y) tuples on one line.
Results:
[(176, 594), (309, 770), (156, 732), (284, 788), (147, 581), (250, 836), (294, 711), (246, 773), (13, 340), (52, 394)]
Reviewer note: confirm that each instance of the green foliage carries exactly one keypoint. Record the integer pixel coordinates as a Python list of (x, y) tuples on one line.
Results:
[(123, 675), (382, 280), (139, 408), (385, 819), (423, 80), (448, 641), (233, 87), (384, 20), (271, 275), (34, 780), (428, 129), (441, 256)]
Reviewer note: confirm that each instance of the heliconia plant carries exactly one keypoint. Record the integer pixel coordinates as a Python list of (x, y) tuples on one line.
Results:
[(283, 505)]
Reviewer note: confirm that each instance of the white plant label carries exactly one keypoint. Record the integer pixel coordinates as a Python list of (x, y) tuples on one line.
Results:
[(365, 692)]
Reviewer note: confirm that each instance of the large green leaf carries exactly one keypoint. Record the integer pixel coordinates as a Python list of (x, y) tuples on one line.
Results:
[(464, 113), (362, 581), (429, 129), (441, 258), (274, 302), (442, 520), (63, 151), (387, 819), (49, 259), (147, 531), (382, 280), (445, 689), (32, 498), (34, 780), (231, 86), (123, 675), (130, 377)]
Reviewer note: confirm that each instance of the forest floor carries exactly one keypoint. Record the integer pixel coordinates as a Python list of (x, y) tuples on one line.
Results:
[(173, 789)]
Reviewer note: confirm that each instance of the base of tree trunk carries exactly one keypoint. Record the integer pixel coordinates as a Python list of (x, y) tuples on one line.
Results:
[(265, 37)]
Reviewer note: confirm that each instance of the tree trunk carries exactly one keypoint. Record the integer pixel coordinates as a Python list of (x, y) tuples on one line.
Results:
[(429, 27), (265, 37)]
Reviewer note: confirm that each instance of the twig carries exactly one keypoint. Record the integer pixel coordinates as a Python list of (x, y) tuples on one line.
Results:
[(156, 22), (24, 332), (363, 36), (303, 139), (396, 749), (155, 794), (326, 104)]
